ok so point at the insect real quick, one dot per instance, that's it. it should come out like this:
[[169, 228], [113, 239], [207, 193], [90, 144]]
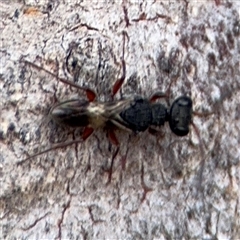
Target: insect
[[136, 114]]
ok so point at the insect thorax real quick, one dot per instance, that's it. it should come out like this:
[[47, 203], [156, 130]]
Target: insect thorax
[[96, 114], [142, 114]]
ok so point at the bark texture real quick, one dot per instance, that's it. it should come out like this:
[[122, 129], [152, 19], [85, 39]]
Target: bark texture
[[162, 186]]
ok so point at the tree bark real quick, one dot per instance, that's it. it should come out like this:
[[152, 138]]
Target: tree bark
[[162, 186]]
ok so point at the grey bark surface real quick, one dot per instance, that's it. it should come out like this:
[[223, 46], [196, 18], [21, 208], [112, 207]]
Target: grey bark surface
[[162, 186]]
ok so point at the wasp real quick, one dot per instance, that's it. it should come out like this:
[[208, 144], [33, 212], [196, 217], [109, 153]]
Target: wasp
[[135, 114]]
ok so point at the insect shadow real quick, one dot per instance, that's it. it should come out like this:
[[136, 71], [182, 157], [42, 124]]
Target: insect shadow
[[135, 114]]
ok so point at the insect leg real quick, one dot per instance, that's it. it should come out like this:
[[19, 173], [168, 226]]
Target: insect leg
[[146, 189], [111, 167], [112, 137], [117, 85], [157, 95], [61, 145], [91, 95], [110, 131], [87, 132]]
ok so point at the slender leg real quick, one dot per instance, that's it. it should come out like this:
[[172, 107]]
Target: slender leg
[[157, 95], [111, 167], [87, 132], [117, 85], [91, 95], [112, 137], [166, 94], [61, 145], [146, 189]]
